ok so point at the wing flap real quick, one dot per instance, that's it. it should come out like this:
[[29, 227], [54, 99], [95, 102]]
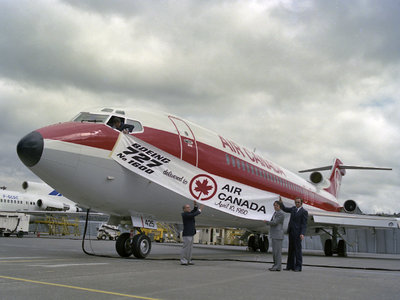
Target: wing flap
[[346, 220]]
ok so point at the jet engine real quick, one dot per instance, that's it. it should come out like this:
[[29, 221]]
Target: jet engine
[[350, 206], [51, 205], [318, 179], [35, 186]]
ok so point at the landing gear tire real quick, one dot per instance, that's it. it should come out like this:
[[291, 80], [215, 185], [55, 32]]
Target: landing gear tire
[[141, 245], [123, 245], [263, 242], [341, 249], [252, 243], [328, 247]]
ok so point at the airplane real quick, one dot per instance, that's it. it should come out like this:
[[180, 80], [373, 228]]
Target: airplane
[[148, 168], [36, 198], [34, 203]]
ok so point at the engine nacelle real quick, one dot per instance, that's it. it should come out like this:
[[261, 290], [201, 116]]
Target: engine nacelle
[[35, 187], [350, 206], [51, 205], [316, 177]]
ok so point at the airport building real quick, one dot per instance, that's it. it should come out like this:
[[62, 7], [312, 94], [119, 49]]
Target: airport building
[[381, 241]]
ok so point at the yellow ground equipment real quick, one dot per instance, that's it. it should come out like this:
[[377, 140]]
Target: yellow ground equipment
[[59, 225]]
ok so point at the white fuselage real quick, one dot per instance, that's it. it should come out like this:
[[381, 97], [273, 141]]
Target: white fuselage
[[76, 160]]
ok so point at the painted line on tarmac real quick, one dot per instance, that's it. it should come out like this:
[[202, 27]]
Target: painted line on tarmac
[[20, 257], [29, 260], [68, 265], [77, 288]]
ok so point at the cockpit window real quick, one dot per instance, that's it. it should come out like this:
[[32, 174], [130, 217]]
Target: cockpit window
[[136, 125], [88, 117], [116, 122], [125, 125]]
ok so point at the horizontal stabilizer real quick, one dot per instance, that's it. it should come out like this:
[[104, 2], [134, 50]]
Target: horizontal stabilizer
[[343, 167]]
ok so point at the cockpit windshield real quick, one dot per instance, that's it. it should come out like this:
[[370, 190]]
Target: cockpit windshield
[[89, 117], [116, 122]]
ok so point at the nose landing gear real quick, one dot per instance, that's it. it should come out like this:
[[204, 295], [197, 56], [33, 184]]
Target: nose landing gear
[[139, 245]]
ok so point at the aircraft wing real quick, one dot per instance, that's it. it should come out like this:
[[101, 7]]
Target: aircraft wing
[[338, 219], [49, 212]]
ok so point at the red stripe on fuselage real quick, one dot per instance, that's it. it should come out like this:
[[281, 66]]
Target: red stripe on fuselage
[[220, 163], [210, 159]]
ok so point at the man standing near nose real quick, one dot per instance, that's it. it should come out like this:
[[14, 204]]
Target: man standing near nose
[[296, 230], [189, 230]]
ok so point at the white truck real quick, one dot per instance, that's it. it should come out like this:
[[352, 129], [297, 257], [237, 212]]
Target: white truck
[[14, 223], [106, 231]]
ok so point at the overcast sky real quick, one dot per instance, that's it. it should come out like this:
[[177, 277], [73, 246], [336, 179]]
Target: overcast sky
[[303, 82]]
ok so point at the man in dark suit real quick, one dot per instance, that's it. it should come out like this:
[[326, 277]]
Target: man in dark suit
[[296, 230], [189, 230]]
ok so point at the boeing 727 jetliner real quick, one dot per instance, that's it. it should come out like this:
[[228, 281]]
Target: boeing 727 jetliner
[[155, 162]]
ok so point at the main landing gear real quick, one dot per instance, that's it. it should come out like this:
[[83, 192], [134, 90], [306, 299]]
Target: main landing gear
[[333, 246], [127, 244], [258, 241]]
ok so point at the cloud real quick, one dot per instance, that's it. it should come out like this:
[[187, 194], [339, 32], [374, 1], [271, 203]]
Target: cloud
[[302, 82]]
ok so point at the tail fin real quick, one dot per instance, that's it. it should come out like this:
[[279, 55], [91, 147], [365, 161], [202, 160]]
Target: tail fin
[[338, 170], [335, 177]]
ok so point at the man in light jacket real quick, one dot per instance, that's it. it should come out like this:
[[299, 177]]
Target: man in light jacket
[[276, 234]]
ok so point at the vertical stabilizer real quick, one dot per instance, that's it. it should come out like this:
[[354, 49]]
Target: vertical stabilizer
[[335, 177]]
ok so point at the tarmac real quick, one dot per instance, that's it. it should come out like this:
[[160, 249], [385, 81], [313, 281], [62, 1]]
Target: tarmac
[[57, 268]]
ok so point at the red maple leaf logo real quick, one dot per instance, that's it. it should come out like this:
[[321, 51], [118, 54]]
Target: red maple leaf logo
[[203, 187]]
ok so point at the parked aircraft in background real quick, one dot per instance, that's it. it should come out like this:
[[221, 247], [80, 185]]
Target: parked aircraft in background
[[150, 166], [36, 199]]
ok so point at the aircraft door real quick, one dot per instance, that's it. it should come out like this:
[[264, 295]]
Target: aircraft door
[[187, 141]]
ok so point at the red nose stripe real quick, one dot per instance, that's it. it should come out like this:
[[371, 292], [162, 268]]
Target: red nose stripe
[[93, 135]]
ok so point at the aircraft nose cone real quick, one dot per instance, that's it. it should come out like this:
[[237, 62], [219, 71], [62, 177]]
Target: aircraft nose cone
[[30, 148]]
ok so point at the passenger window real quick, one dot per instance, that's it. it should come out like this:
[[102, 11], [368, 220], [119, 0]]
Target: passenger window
[[227, 159], [238, 163]]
